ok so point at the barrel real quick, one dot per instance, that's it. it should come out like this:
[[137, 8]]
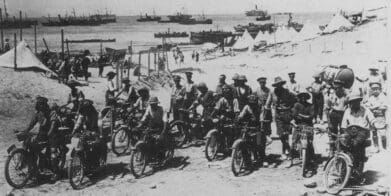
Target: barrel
[[346, 75]]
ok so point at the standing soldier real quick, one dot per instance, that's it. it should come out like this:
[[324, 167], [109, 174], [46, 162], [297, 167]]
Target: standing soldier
[[191, 90], [262, 94], [85, 62], [177, 96], [282, 100], [292, 85], [242, 91], [110, 91], [316, 89], [7, 46], [219, 87], [336, 104]]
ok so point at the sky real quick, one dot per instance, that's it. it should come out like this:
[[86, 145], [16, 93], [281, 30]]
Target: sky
[[38, 8]]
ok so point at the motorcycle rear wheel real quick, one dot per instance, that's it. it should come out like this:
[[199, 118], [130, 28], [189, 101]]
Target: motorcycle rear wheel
[[211, 147], [120, 142], [138, 162], [238, 161], [18, 161]]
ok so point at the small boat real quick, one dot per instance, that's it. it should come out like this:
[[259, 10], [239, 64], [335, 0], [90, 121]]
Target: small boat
[[169, 34], [263, 18], [147, 18], [193, 21], [209, 36]]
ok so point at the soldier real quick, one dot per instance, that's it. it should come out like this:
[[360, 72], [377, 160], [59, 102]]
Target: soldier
[[191, 90], [282, 100], [235, 80], [317, 97], [262, 94], [75, 96], [206, 99], [292, 85], [336, 104], [110, 91], [177, 95], [222, 82], [242, 91]]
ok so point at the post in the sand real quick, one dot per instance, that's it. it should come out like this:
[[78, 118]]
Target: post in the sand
[[15, 64], [130, 58], [20, 25], [62, 44], [1, 30], [149, 61], [35, 38], [67, 42], [46, 45], [139, 65]]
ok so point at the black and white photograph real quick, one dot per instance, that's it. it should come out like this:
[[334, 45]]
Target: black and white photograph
[[195, 97]]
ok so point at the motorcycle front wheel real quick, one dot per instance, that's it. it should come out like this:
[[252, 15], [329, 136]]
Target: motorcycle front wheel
[[238, 161], [211, 147], [138, 162], [337, 174], [120, 142], [18, 168], [76, 172]]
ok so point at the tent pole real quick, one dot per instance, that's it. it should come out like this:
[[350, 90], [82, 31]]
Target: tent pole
[[62, 44], [2, 31], [20, 25], [68, 48], [139, 65], [130, 60], [149, 61], [15, 64], [35, 39]]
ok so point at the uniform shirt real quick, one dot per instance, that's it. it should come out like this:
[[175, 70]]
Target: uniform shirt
[[363, 118], [317, 87], [206, 100], [242, 93], [293, 87], [110, 86], [224, 106], [281, 100], [43, 120], [177, 95], [127, 95], [379, 102], [250, 113], [90, 121], [155, 117], [141, 104], [336, 103], [191, 93], [304, 109], [262, 95]]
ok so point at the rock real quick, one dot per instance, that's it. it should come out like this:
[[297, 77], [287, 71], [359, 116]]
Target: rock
[[310, 184], [153, 186], [346, 193], [321, 190]]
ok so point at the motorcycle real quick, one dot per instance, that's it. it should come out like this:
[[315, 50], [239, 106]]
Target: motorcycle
[[88, 155], [30, 160], [220, 139], [341, 167], [150, 150], [244, 150]]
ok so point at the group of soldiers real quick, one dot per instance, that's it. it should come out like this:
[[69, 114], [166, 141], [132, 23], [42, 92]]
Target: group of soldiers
[[289, 102]]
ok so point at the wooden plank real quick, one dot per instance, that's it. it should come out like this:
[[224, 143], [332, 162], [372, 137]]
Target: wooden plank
[[1, 31], [15, 63], [92, 41], [35, 39], [46, 45], [20, 26]]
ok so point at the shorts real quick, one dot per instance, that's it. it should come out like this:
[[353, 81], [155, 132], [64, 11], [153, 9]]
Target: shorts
[[283, 119]]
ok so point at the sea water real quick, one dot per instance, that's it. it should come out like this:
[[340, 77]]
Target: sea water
[[141, 34]]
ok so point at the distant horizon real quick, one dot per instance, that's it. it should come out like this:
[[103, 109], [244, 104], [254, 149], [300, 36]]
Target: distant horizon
[[41, 8]]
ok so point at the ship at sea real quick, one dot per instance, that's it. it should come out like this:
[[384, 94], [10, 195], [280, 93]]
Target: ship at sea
[[169, 34], [193, 21], [177, 18], [148, 18], [209, 36], [257, 12], [253, 29], [74, 21], [105, 18], [14, 23]]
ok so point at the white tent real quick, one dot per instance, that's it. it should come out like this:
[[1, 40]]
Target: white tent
[[244, 42], [337, 23], [309, 31], [25, 58], [283, 35]]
